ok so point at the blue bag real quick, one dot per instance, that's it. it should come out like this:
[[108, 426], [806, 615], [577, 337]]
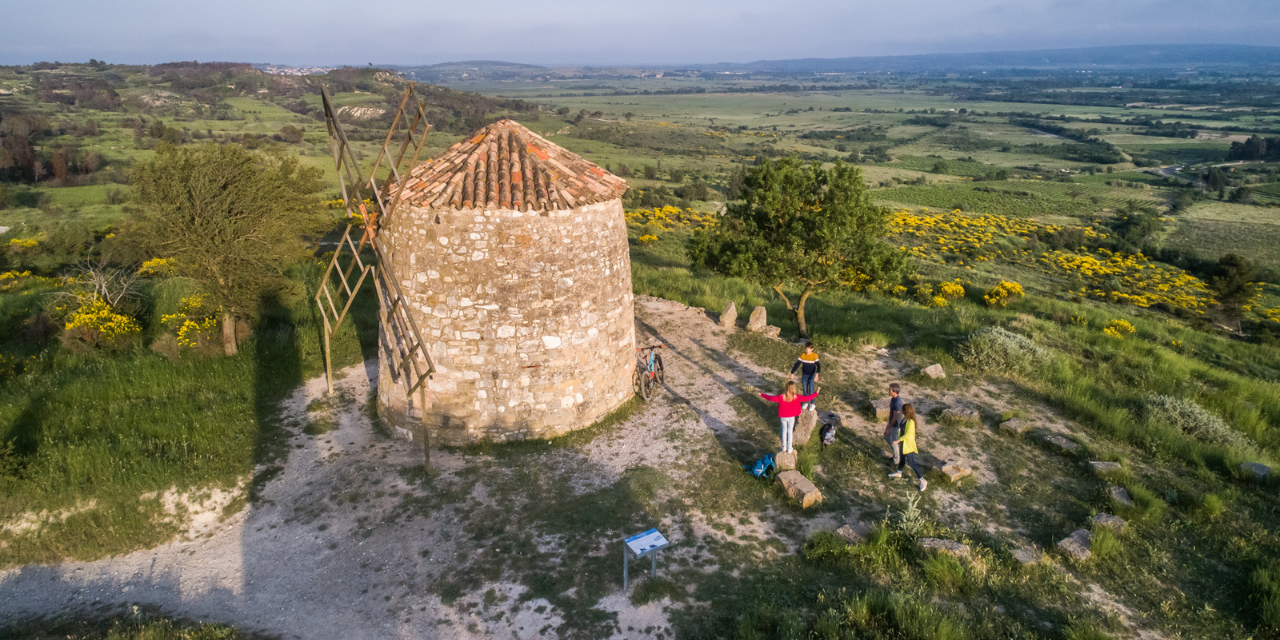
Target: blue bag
[[763, 468]]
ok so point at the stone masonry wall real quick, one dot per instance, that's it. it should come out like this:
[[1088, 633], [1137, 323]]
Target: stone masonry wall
[[529, 316]]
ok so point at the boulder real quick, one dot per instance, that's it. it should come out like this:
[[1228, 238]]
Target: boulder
[[1061, 442], [1027, 556], [784, 461], [799, 488], [934, 371], [939, 545], [1102, 466], [882, 408], [804, 426], [854, 534], [729, 317], [772, 331], [955, 471], [758, 320], [1255, 470], [1078, 545], [1013, 425], [960, 414], [1120, 496], [1115, 523]]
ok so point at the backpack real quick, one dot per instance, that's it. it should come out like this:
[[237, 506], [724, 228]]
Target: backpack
[[763, 468], [827, 434]]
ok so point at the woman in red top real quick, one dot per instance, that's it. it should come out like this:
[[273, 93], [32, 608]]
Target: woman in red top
[[788, 408]]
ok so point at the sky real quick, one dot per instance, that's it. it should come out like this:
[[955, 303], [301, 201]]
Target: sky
[[578, 32]]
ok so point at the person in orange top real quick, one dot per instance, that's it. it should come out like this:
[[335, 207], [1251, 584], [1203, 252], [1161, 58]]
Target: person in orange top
[[810, 370]]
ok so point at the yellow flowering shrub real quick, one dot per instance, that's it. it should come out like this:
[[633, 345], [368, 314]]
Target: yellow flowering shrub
[[1119, 329], [194, 322], [23, 245], [647, 239], [96, 324], [938, 301], [1273, 314], [157, 267], [670, 218], [951, 290], [14, 281], [1002, 294]]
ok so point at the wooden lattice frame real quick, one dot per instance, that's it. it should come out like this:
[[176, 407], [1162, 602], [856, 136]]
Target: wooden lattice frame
[[411, 359]]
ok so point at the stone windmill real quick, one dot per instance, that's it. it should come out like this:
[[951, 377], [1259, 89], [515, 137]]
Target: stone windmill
[[504, 283]]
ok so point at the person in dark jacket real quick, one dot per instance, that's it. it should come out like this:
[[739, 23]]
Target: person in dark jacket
[[810, 370]]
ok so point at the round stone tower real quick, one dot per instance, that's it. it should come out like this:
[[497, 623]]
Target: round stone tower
[[512, 254]]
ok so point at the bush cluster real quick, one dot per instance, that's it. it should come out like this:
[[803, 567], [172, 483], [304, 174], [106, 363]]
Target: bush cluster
[[998, 351], [1193, 420]]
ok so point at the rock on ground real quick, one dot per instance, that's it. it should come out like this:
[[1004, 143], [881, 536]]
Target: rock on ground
[[939, 545], [882, 408], [1115, 523], [1061, 442], [1078, 545], [800, 489], [804, 426], [729, 317], [772, 331], [960, 414], [1255, 470], [854, 533], [758, 320], [1027, 556], [1013, 426], [784, 460], [1121, 496], [934, 371], [1102, 466]]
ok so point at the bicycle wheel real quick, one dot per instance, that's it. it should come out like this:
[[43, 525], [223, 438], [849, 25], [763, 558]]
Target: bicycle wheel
[[659, 373], [646, 385]]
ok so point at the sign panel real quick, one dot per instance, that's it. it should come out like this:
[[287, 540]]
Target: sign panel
[[642, 543]]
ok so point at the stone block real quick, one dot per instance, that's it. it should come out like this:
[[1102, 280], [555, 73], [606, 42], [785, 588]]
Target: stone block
[[853, 534], [729, 317], [961, 414], [934, 371], [772, 331], [1027, 556], [882, 408], [804, 426], [1078, 545], [1115, 523], [784, 461], [758, 320], [939, 545], [800, 489], [955, 471], [1121, 496], [1255, 470], [1102, 466], [1013, 425], [1061, 442]]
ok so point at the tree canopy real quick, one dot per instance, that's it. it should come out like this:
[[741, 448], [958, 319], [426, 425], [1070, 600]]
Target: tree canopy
[[231, 219], [802, 226]]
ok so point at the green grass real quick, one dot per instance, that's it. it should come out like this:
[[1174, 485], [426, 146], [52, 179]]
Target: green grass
[[1019, 198], [137, 626]]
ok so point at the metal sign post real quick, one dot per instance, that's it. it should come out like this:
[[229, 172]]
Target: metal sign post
[[640, 545]]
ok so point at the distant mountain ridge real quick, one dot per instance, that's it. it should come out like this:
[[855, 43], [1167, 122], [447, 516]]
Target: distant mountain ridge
[[1150, 56]]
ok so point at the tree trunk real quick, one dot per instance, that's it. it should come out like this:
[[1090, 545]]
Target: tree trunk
[[229, 335], [804, 328]]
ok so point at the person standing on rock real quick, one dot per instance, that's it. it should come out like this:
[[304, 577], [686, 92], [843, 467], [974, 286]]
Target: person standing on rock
[[893, 429], [789, 404], [908, 445], [810, 369]]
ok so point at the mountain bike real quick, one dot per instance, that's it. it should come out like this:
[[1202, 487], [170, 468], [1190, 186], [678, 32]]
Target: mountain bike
[[649, 371]]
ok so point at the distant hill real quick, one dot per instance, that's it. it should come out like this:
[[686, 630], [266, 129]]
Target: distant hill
[[1138, 56], [471, 71]]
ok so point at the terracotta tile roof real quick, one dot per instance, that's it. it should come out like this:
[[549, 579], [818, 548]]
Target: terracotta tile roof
[[505, 165]]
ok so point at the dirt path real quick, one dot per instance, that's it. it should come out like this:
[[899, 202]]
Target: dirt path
[[330, 552]]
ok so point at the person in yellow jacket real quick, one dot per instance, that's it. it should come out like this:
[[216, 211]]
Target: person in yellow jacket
[[907, 440]]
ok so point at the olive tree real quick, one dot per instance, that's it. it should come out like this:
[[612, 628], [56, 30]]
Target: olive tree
[[231, 220], [802, 227]]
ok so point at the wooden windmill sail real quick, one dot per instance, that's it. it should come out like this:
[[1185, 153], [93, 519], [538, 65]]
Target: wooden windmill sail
[[368, 206]]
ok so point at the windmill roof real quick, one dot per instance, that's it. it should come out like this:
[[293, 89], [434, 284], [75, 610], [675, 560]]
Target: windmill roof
[[505, 165]]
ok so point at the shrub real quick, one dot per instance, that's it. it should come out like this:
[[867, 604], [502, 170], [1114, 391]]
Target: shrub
[[999, 296], [948, 575], [1193, 420], [647, 238], [1266, 586], [1105, 544], [654, 589], [804, 464], [1119, 329], [195, 322], [998, 351], [951, 290], [97, 325], [1211, 505]]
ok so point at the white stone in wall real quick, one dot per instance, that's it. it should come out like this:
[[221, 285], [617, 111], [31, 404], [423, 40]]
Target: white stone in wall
[[551, 342]]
